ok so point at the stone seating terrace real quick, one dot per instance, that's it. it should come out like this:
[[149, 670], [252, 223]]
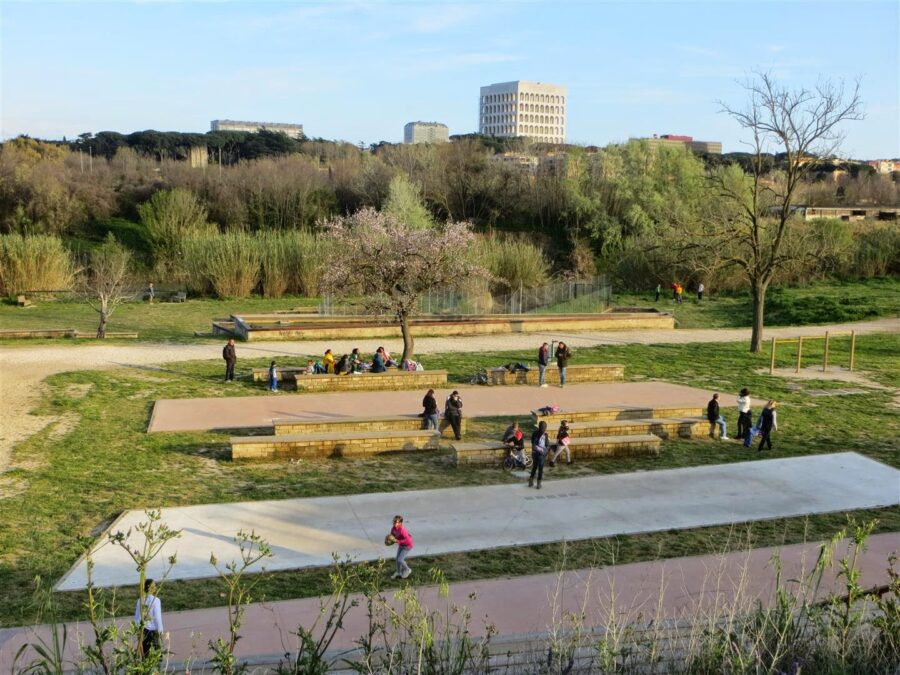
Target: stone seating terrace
[[293, 426], [392, 380], [606, 372]]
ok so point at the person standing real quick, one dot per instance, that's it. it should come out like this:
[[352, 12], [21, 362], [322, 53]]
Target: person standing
[[543, 362], [230, 356], [404, 546], [679, 294], [273, 377], [540, 444], [745, 417], [151, 294], [700, 290], [715, 417], [430, 412], [768, 422], [563, 354], [675, 291], [453, 414], [149, 619], [658, 291]]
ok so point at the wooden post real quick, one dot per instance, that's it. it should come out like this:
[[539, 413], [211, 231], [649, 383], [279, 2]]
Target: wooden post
[[825, 363], [772, 362], [852, 349], [799, 352]]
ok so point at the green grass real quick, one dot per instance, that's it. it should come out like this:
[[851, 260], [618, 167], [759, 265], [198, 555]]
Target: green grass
[[818, 303], [71, 484]]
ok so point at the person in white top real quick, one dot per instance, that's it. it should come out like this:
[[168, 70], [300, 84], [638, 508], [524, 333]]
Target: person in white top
[[745, 417], [700, 290], [149, 620]]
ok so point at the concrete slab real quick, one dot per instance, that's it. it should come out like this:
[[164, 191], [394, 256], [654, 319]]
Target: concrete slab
[[305, 532], [204, 414]]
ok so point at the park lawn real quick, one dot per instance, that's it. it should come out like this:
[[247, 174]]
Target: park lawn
[[817, 303], [71, 481]]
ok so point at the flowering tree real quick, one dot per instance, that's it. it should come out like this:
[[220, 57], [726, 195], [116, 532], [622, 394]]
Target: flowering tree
[[386, 265]]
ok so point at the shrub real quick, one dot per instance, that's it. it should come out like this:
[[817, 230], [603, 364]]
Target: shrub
[[877, 252], [513, 262], [34, 263], [171, 218], [306, 260]]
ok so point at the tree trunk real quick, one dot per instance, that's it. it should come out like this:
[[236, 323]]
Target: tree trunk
[[407, 338], [101, 329], [759, 305]]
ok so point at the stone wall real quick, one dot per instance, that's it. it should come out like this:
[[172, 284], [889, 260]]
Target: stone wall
[[330, 445], [611, 372], [620, 413], [284, 427], [392, 380], [489, 453]]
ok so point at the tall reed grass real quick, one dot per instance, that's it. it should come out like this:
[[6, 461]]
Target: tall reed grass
[[513, 262], [34, 263]]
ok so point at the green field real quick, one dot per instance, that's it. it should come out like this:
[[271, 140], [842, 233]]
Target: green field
[[71, 480]]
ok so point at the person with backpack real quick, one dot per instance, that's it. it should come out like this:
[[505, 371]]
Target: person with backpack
[[540, 444], [563, 354], [273, 377], [430, 410], [563, 438], [768, 422], [543, 362], [453, 414], [230, 356]]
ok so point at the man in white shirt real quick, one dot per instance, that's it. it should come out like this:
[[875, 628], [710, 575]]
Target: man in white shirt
[[150, 619]]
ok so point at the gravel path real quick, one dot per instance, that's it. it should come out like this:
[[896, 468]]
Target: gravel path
[[23, 369]]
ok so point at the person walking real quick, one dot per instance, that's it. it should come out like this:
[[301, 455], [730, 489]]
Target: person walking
[[768, 422], [149, 619], [273, 378], [563, 439], [430, 412], [563, 354], [453, 414], [700, 290], [745, 417], [404, 542], [658, 291], [539, 446], [715, 417], [230, 356], [543, 362]]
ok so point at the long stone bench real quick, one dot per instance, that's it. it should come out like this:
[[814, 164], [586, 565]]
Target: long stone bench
[[664, 427], [288, 426], [308, 446], [390, 381], [598, 372], [616, 413], [493, 452]]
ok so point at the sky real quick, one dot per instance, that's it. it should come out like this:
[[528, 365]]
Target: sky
[[358, 71]]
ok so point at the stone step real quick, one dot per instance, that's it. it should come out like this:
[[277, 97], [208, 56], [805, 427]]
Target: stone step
[[629, 445], [617, 413], [288, 426], [664, 427], [598, 372], [393, 380], [307, 446]]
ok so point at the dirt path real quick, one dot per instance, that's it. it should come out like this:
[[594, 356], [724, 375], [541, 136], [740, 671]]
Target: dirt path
[[23, 369]]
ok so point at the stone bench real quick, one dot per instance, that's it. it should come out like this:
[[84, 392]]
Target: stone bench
[[608, 372], [664, 427], [288, 426], [616, 413], [494, 452], [392, 380], [311, 446]]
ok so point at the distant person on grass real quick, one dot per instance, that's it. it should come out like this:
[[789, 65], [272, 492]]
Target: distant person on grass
[[151, 294], [404, 542], [378, 362], [453, 414], [700, 290], [745, 416], [430, 410], [563, 354], [328, 361], [715, 418], [230, 356], [540, 444], [342, 367], [273, 377], [543, 362], [658, 290], [768, 422], [388, 361], [149, 618]]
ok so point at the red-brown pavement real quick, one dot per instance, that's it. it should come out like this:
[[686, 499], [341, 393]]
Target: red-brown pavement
[[525, 605], [203, 414]]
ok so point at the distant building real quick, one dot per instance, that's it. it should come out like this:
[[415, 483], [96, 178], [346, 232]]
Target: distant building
[[426, 132], [532, 109], [292, 130], [885, 165], [687, 142]]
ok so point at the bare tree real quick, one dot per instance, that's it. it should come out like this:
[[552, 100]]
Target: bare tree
[[801, 124], [106, 280], [386, 265]]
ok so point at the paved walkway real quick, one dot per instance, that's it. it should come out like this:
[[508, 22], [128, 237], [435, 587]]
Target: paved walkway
[[525, 605], [305, 532], [203, 414]]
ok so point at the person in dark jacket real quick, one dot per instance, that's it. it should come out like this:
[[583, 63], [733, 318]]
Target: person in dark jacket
[[430, 412], [453, 414], [768, 422], [715, 417], [230, 356], [543, 362], [745, 416], [563, 354], [342, 367], [540, 445], [378, 363]]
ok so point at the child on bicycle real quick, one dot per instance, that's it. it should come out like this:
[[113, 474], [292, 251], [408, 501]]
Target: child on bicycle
[[515, 457]]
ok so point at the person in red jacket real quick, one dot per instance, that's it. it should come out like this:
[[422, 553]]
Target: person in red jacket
[[404, 546]]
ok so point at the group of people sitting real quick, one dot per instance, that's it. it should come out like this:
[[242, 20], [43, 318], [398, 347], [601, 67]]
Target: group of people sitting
[[351, 363], [514, 439]]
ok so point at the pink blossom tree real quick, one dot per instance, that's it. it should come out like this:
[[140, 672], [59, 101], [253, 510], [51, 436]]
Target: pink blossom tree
[[386, 265]]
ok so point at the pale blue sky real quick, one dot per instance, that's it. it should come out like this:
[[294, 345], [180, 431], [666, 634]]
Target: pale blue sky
[[359, 71]]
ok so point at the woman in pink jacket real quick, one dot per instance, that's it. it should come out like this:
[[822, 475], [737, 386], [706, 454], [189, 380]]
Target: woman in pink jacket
[[404, 546]]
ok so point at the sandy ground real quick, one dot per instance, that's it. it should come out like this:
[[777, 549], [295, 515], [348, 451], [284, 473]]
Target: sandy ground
[[23, 369]]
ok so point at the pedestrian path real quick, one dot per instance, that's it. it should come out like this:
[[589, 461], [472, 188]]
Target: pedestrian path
[[306, 532]]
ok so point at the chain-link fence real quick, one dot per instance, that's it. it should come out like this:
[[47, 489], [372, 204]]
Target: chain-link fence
[[584, 296]]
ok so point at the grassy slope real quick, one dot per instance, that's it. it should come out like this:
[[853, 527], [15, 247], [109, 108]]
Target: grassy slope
[[76, 481]]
